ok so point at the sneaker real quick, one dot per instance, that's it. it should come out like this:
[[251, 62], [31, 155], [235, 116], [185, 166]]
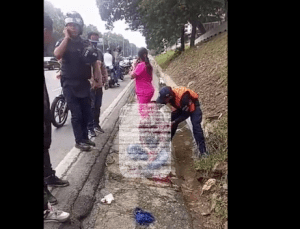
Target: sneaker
[[117, 84], [54, 215], [55, 181], [92, 133], [89, 142], [99, 129], [83, 146]]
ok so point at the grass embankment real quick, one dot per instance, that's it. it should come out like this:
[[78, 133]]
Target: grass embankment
[[204, 69]]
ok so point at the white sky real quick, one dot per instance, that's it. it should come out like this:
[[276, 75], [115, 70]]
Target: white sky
[[90, 15]]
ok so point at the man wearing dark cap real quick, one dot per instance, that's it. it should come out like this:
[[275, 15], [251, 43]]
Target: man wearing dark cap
[[184, 104]]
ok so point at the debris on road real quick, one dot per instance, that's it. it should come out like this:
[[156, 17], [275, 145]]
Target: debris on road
[[107, 199]]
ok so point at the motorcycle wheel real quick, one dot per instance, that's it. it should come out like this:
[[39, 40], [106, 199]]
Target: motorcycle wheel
[[58, 116], [110, 84]]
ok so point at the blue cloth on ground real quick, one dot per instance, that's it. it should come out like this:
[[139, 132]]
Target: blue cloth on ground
[[143, 217]]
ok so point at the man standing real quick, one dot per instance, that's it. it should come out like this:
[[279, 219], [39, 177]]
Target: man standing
[[96, 89], [109, 60], [117, 56], [185, 104], [75, 73]]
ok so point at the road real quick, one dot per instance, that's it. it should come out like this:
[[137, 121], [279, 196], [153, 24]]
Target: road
[[63, 138]]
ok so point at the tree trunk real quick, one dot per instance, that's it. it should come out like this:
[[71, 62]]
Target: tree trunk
[[200, 27], [192, 43], [226, 9], [182, 38]]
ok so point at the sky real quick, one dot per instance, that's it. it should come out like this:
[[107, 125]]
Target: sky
[[90, 15]]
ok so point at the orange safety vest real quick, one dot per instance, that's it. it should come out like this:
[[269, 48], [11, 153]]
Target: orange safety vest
[[179, 91]]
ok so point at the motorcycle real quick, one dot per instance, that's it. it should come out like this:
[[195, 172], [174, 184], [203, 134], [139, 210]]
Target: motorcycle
[[111, 78], [59, 110], [124, 67]]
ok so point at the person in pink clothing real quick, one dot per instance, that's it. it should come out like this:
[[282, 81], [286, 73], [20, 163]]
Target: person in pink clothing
[[142, 73]]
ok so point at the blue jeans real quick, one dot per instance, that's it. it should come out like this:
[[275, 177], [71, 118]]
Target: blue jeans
[[81, 114], [196, 119], [118, 71], [115, 74]]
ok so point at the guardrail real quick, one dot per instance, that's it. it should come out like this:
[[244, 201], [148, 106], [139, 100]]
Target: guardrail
[[217, 28]]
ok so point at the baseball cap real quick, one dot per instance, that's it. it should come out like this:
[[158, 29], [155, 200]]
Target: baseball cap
[[164, 93]]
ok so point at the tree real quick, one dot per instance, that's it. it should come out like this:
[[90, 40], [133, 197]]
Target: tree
[[58, 25], [90, 28], [161, 21], [198, 12]]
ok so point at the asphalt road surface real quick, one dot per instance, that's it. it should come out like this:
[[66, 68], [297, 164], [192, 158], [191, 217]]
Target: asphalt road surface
[[63, 138]]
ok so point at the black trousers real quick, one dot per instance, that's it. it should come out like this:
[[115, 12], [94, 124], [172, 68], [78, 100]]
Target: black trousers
[[196, 118], [47, 142], [96, 102], [81, 114]]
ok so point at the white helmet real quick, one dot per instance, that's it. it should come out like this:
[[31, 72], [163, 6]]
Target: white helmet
[[74, 17]]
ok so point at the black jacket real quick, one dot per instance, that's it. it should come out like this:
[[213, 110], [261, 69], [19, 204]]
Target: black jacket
[[74, 72]]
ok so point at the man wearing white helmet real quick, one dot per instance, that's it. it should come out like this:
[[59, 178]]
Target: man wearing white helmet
[[75, 72]]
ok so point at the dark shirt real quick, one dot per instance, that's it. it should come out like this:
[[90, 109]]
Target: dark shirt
[[74, 72], [100, 55]]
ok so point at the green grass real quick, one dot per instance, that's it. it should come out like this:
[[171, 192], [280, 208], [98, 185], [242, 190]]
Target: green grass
[[216, 144], [221, 209], [163, 60]]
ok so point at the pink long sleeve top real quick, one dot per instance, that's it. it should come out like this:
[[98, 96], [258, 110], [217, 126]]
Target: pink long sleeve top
[[143, 81]]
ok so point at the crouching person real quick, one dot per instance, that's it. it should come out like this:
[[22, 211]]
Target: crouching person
[[184, 104]]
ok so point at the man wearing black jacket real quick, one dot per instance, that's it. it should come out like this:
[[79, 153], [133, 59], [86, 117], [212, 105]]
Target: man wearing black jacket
[[74, 78]]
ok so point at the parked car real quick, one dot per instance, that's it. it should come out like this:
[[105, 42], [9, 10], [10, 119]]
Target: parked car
[[51, 63]]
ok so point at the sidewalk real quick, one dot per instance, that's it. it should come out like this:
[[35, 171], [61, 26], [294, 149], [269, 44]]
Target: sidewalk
[[162, 200]]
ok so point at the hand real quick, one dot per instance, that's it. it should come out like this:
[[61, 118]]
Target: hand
[[58, 76], [133, 76], [66, 33]]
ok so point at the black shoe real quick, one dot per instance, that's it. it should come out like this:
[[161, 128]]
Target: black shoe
[[92, 133], [83, 146], [55, 181], [89, 142], [99, 129], [51, 198]]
